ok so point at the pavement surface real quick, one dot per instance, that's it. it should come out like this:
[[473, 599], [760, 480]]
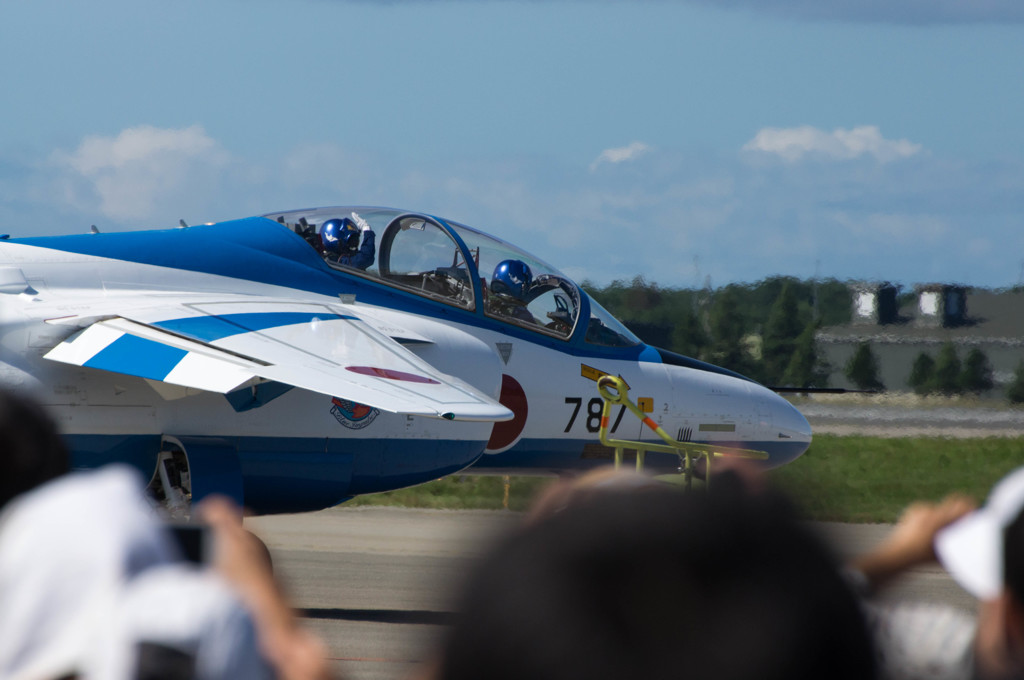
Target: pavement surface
[[377, 583]]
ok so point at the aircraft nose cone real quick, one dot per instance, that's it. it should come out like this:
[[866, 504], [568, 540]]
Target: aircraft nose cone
[[763, 420], [791, 431], [789, 420]]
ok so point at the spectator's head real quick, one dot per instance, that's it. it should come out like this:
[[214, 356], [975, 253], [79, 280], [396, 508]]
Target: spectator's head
[[568, 491], [67, 549], [31, 450], [660, 584]]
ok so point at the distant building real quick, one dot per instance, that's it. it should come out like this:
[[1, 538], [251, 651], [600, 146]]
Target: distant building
[[875, 304], [901, 327], [941, 305]]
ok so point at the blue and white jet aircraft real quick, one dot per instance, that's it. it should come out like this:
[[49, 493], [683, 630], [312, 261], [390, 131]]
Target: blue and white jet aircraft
[[236, 358]]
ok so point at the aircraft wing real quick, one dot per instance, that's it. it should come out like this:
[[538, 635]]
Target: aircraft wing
[[223, 346]]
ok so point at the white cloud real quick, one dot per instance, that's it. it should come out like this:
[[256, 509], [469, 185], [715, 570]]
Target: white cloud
[[96, 154], [129, 175], [792, 144], [620, 154], [741, 221]]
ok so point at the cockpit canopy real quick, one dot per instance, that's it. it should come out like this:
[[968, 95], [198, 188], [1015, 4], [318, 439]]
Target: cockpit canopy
[[460, 266]]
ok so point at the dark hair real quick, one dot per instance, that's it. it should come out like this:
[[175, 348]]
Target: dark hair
[[1013, 557], [660, 584], [31, 449]]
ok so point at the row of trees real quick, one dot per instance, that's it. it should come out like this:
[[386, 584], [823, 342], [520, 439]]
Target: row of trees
[[945, 375], [767, 331], [764, 330]]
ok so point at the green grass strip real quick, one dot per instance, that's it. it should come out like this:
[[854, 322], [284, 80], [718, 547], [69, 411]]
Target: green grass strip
[[462, 492], [842, 479], [871, 479]]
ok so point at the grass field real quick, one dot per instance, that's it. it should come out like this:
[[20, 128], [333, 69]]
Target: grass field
[[870, 479], [462, 492], [847, 479]]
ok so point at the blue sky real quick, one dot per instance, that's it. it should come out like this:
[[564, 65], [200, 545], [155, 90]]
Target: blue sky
[[681, 141]]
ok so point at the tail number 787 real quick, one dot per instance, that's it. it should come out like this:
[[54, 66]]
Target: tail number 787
[[594, 407]]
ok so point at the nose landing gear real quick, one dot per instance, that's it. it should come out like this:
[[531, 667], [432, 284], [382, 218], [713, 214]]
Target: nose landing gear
[[171, 485]]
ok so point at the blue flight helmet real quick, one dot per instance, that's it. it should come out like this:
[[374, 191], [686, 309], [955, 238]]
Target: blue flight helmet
[[339, 235], [513, 278]]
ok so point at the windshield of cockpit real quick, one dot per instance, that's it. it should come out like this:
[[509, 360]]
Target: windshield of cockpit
[[519, 288], [401, 249], [607, 331], [416, 253]]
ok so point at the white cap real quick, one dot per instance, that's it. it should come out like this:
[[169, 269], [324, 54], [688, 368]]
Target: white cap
[[187, 609], [971, 549], [67, 548]]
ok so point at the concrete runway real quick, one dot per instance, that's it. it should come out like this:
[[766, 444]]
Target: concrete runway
[[376, 583]]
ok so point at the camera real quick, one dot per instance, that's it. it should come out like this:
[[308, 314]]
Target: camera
[[194, 541]]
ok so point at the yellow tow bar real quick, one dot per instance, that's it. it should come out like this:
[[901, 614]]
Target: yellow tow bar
[[613, 391]]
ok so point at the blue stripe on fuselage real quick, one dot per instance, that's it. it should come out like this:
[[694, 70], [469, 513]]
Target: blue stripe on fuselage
[[272, 254], [212, 328], [137, 356]]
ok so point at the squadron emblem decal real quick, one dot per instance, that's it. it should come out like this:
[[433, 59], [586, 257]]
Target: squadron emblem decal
[[353, 415]]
